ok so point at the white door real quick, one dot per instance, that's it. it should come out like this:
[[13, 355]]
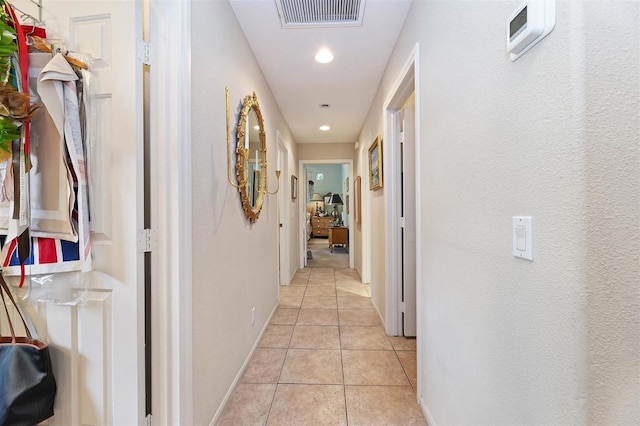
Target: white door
[[98, 347], [408, 234]]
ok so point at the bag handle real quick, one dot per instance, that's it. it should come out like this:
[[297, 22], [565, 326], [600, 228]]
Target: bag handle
[[4, 288]]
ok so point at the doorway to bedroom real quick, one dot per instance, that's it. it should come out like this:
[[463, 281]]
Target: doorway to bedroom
[[327, 207]]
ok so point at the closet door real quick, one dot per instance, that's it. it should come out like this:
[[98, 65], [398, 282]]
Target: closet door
[[98, 347]]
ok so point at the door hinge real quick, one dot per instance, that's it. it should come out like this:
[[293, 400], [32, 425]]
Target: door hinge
[[402, 222], [146, 240], [144, 52], [401, 137], [148, 419]]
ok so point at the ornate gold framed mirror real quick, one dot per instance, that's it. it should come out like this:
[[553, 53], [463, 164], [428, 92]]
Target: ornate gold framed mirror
[[251, 154]]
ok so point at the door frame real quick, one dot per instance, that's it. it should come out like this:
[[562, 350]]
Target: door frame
[[408, 82], [303, 207], [284, 208], [170, 128]]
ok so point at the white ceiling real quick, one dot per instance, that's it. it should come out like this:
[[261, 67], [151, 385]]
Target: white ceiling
[[300, 84]]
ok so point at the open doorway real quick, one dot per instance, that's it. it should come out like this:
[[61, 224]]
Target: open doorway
[[402, 205], [326, 212]]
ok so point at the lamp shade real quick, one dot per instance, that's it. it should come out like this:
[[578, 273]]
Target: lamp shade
[[335, 199], [317, 197]]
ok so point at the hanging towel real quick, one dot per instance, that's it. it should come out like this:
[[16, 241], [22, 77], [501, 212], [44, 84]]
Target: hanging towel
[[57, 89], [50, 181]]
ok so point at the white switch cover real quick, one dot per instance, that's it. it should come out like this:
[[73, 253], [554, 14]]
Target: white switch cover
[[523, 237]]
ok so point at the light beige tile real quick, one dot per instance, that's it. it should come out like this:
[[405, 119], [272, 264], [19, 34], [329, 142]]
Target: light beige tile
[[322, 271], [319, 281], [315, 337], [347, 282], [249, 405], [403, 343], [321, 290], [362, 317], [318, 317], [299, 282], [319, 302], [354, 302], [290, 301], [372, 368], [302, 273], [276, 336], [383, 405], [308, 405], [265, 366], [350, 290], [285, 316], [292, 291], [347, 274], [408, 361], [357, 337], [313, 366]]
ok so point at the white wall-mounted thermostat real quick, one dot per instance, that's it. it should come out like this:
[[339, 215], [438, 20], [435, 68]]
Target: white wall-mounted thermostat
[[530, 23]]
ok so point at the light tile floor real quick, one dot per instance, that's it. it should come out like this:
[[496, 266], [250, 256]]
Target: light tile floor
[[325, 360]]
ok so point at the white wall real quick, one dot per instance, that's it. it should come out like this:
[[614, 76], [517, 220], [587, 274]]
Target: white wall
[[373, 213], [611, 134], [325, 151], [553, 135], [234, 263]]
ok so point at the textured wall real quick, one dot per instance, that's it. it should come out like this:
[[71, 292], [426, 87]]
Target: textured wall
[[553, 135], [234, 263], [612, 140]]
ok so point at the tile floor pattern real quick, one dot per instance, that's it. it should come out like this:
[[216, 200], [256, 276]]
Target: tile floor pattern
[[324, 359]]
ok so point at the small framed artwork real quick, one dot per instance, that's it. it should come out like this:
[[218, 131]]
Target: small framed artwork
[[375, 164], [294, 188], [357, 199]]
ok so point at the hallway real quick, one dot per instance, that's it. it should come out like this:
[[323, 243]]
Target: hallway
[[325, 359]]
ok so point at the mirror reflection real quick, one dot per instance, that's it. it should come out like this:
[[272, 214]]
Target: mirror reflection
[[252, 143], [251, 157]]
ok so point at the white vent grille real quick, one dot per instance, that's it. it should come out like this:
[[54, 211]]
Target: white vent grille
[[320, 13]]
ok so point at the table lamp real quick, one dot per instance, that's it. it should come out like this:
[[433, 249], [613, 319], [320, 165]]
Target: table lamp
[[336, 201], [317, 197]]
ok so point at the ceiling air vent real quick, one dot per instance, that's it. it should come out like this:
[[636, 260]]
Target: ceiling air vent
[[320, 13]]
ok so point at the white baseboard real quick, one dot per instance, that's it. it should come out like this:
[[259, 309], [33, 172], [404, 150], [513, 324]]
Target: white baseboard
[[236, 381], [427, 414]]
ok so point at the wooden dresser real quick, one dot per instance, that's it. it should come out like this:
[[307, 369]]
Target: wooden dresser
[[320, 225], [338, 236]]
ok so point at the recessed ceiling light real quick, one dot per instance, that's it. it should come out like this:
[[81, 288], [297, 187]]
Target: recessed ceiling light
[[325, 128], [324, 56]]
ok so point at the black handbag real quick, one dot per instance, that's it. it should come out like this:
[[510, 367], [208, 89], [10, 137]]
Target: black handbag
[[27, 384]]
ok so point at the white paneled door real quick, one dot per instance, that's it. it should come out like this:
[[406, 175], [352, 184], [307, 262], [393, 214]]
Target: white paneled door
[[98, 346]]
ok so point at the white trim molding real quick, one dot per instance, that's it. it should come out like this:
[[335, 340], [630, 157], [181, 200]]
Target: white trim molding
[[404, 86], [170, 128]]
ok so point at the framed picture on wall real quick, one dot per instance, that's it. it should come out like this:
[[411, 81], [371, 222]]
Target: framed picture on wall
[[294, 188], [375, 164], [357, 199]]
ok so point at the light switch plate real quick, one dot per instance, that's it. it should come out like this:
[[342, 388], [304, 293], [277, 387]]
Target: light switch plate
[[523, 237]]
